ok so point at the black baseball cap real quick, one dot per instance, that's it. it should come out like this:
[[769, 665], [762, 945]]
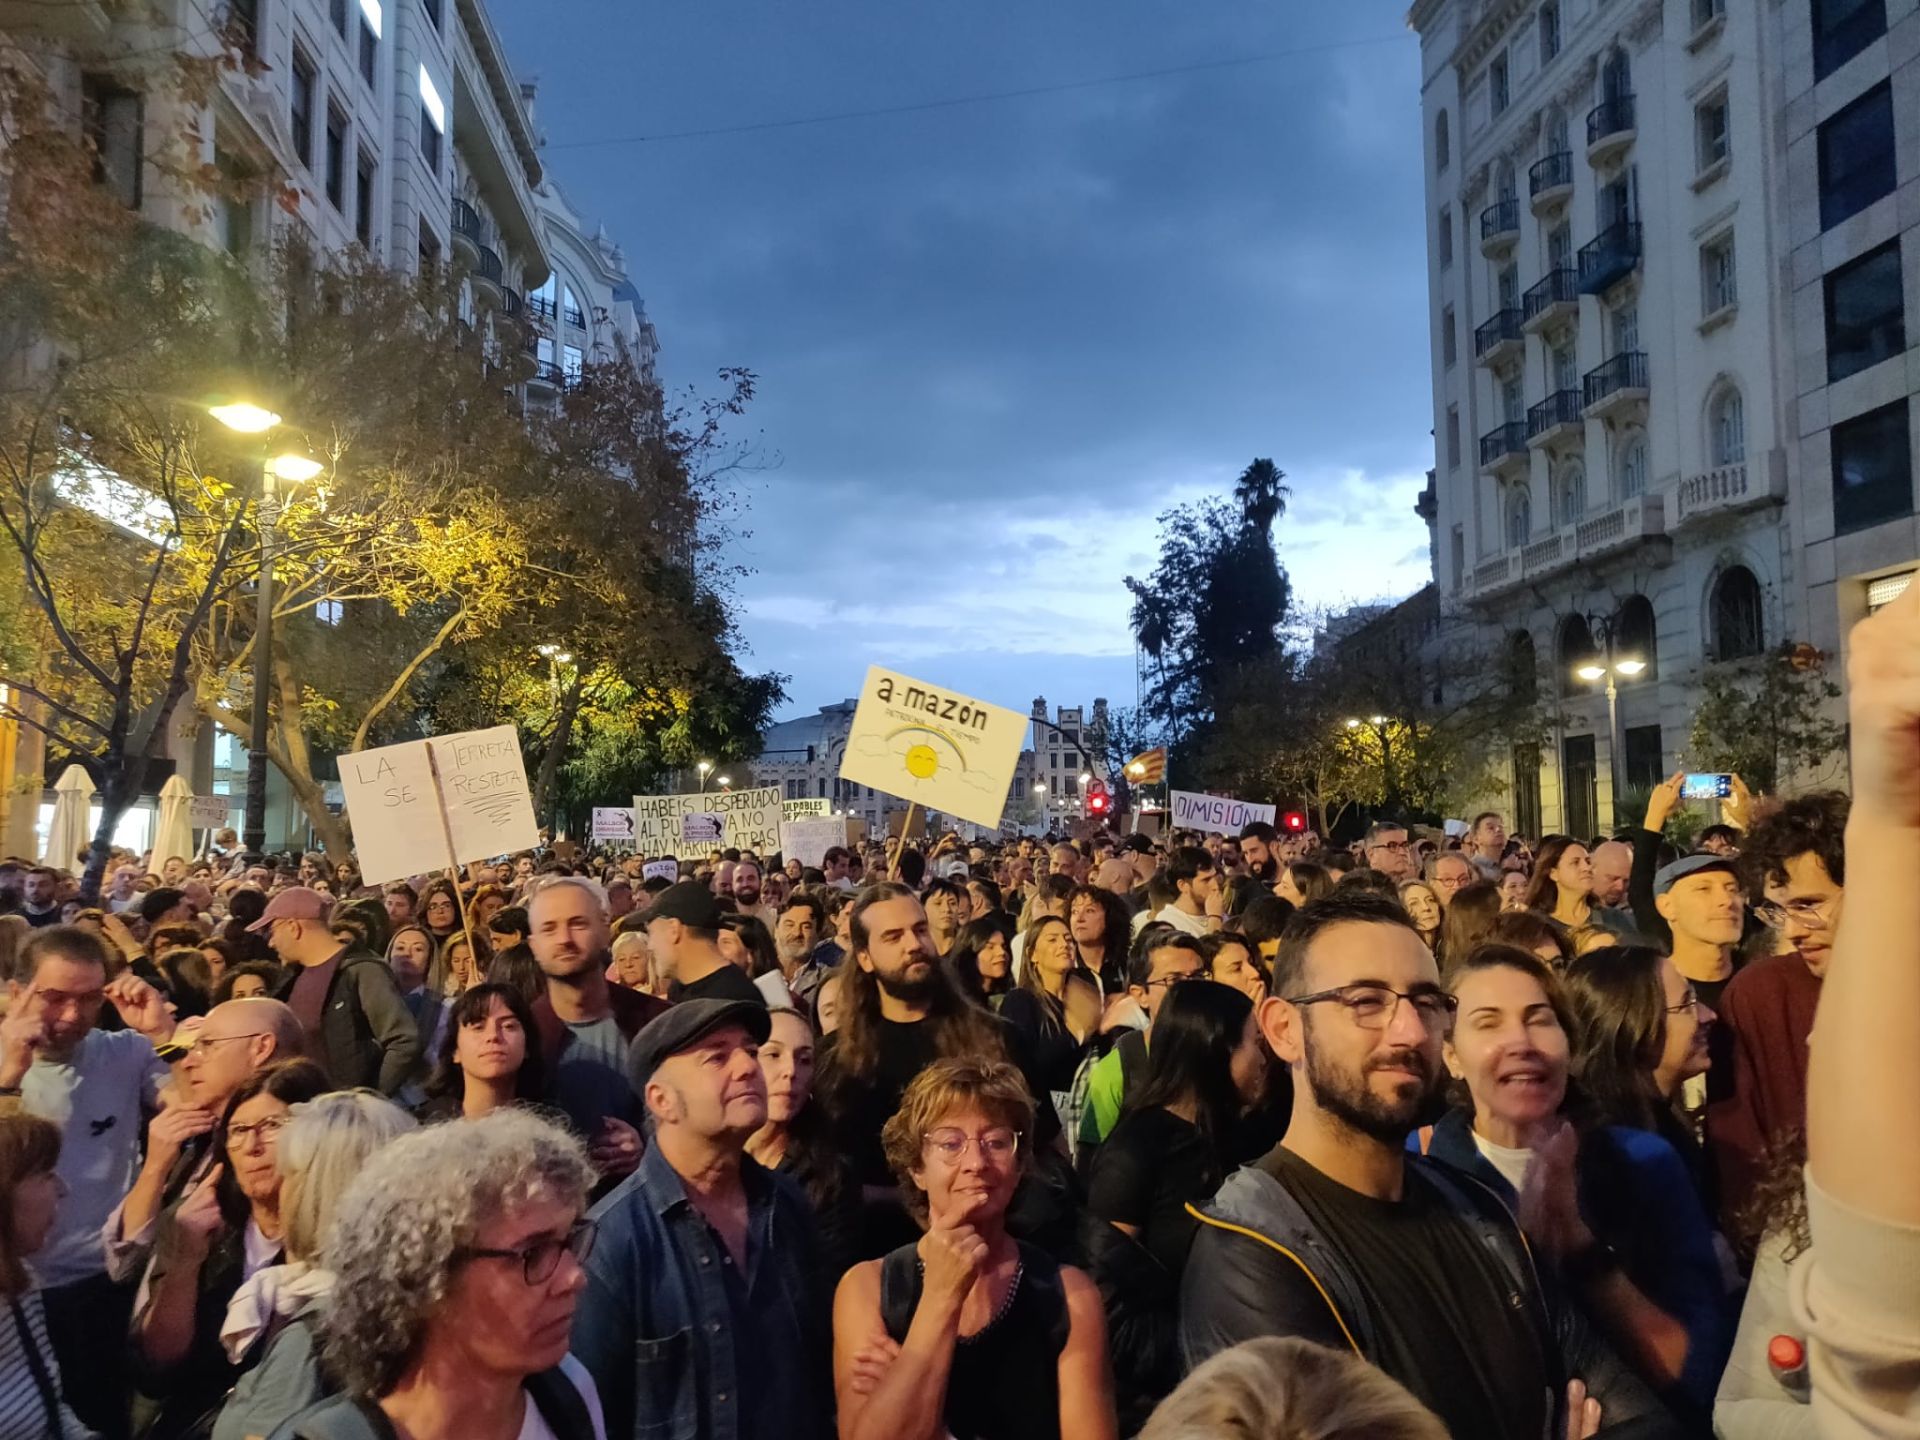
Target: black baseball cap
[[689, 902], [1694, 864], [667, 1035]]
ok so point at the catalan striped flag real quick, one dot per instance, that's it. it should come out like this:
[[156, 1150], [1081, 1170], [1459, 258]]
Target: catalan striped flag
[[1149, 767]]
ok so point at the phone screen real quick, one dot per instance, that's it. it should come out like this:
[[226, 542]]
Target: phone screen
[[1706, 786]]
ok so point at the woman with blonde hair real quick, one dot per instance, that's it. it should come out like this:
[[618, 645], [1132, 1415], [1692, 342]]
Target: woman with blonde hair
[[1279, 1388]]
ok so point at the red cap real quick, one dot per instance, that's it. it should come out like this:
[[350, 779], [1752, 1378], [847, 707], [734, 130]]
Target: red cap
[[1785, 1354], [296, 902]]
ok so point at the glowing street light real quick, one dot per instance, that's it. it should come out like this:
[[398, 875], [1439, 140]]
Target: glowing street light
[[244, 418]]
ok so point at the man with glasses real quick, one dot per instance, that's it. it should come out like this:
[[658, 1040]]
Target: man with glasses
[[704, 1247], [1796, 862], [1449, 873], [1342, 1237], [1388, 851], [97, 1086]]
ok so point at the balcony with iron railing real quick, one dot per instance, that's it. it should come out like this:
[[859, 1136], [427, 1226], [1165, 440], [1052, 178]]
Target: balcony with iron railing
[[466, 229], [1504, 447], [1550, 181], [510, 302], [487, 269], [1610, 257], [1499, 338], [548, 375], [1555, 298], [576, 317], [542, 307], [1609, 128], [1558, 417], [1500, 226], [1620, 381]]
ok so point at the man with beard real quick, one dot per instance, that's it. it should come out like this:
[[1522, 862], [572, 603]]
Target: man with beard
[[747, 886], [900, 1010], [1257, 842], [705, 1247], [1342, 1237], [586, 1024], [683, 930], [40, 897], [796, 939]]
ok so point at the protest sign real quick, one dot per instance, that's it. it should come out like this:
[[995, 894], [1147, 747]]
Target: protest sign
[[804, 809], [614, 822], [668, 870], [934, 748], [1190, 811], [692, 826], [209, 812], [910, 824], [809, 840], [426, 804]]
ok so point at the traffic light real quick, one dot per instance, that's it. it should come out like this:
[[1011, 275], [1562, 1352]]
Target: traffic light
[[1294, 822], [1099, 800]]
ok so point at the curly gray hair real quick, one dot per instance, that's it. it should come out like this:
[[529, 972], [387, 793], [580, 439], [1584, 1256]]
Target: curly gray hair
[[397, 1232]]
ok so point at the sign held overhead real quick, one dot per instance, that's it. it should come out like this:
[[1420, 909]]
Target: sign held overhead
[[933, 748], [425, 804], [1191, 811]]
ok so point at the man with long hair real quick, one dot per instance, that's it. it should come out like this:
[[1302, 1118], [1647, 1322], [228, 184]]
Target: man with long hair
[[900, 1010]]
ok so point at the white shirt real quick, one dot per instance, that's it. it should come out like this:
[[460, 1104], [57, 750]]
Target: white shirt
[[1198, 926], [534, 1426], [1512, 1164]]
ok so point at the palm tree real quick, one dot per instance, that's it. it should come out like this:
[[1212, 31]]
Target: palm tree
[[1262, 493]]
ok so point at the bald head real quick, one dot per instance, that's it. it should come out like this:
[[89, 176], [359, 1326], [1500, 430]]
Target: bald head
[[236, 1040], [1612, 866]]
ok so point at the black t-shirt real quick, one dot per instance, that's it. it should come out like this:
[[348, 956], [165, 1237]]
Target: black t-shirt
[[729, 982], [1449, 1326], [1152, 1166]]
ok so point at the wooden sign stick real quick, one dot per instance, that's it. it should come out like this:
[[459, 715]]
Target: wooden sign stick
[[901, 849], [453, 861]]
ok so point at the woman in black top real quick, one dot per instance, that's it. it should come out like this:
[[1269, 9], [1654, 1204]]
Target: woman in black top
[[1172, 1147], [985, 1337], [796, 1142], [1102, 927], [1038, 1005], [489, 1056], [982, 958]]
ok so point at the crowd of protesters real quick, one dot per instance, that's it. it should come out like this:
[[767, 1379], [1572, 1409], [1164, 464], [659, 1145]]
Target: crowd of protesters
[[1434, 1133]]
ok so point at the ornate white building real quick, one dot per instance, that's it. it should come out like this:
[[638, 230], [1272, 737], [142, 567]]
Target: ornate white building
[[1624, 267]]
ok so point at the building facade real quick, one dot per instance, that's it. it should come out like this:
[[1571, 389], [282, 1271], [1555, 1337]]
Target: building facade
[[1622, 362]]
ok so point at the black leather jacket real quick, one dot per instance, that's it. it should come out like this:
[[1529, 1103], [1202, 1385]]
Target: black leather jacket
[[1259, 1267]]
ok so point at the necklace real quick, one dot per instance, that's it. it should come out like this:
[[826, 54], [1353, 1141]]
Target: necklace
[[1000, 1311]]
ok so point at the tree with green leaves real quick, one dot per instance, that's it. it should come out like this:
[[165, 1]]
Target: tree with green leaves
[[1767, 720]]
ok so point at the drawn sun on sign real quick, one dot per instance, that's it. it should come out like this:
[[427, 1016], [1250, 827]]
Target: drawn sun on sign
[[922, 759]]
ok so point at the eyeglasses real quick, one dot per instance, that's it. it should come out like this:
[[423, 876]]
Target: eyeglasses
[[950, 1146], [1689, 1000], [203, 1041], [1400, 846], [1807, 914], [1374, 1006], [1167, 981], [67, 1000], [540, 1258], [265, 1131]]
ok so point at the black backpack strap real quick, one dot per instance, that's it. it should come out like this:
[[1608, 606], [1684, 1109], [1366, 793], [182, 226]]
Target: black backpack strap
[[561, 1404], [899, 1291]]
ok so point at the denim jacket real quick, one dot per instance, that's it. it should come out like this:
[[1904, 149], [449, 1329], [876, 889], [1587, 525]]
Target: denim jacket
[[653, 1323]]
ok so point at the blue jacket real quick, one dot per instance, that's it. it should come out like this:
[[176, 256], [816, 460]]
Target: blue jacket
[[1637, 1196], [656, 1330]]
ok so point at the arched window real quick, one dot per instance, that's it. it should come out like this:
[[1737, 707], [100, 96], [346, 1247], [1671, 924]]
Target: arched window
[[1549, 31], [1556, 131], [1570, 493], [1616, 77], [1576, 649], [1631, 472], [1503, 183], [1739, 627], [1442, 142], [1523, 673], [1727, 425], [1519, 517], [1634, 638]]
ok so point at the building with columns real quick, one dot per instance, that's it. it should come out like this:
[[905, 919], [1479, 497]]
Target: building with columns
[[1631, 221]]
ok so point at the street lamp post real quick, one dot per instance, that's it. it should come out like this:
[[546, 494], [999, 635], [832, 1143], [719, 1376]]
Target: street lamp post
[[705, 767], [1380, 724], [1605, 628], [294, 468]]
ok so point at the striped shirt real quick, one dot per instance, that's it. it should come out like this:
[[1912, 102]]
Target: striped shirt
[[23, 1405]]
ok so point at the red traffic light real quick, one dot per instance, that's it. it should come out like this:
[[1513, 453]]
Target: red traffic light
[[1097, 804], [1294, 822]]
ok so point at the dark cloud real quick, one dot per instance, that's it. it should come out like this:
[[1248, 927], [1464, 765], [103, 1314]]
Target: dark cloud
[[996, 340]]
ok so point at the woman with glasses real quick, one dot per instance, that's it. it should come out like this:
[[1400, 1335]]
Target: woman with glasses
[[223, 1231], [1173, 1145], [969, 1332], [1611, 1207], [440, 910], [458, 1257], [323, 1147], [1640, 1034]]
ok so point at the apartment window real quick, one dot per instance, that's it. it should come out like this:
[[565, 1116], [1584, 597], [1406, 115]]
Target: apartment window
[[1710, 137], [1842, 29], [1872, 469], [369, 54], [330, 612], [1519, 518], [1564, 369], [1442, 142], [1865, 312], [1717, 288], [1507, 286], [1449, 343], [1446, 236], [337, 13], [1459, 556], [1549, 32], [1640, 754], [243, 24], [1705, 12], [300, 107], [429, 250], [336, 158], [1856, 156], [1498, 91], [435, 12], [1626, 329], [363, 176], [570, 308], [1727, 426], [1453, 437], [572, 362], [1632, 479], [433, 121], [1560, 248], [114, 119], [1570, 492]]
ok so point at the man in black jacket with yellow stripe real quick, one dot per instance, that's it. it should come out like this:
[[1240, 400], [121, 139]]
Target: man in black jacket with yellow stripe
[[1340, 1236]]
